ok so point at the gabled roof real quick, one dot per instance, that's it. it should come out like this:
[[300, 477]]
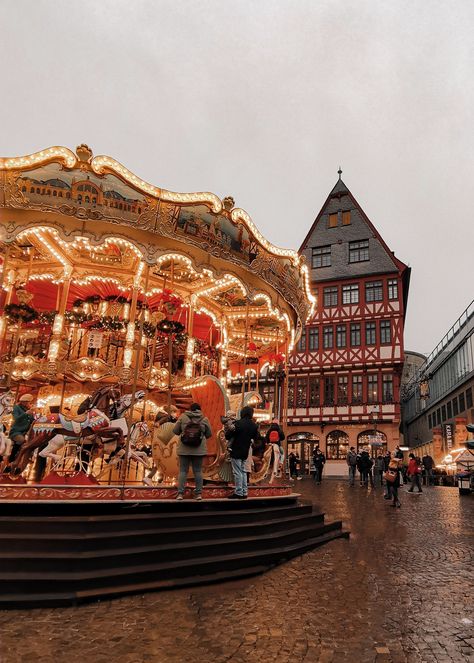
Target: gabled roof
[[339, 190]]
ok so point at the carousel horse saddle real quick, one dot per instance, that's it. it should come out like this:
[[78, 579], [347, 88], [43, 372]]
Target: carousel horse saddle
[[73, 423]]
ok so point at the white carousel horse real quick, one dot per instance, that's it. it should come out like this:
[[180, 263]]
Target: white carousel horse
[[117, 421]]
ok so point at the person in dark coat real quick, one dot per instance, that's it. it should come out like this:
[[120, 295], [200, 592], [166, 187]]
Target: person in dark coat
[[393, 486], [23, 418], [428, 464], [244, 433], [365, 468], [191, 455], [319, 460]]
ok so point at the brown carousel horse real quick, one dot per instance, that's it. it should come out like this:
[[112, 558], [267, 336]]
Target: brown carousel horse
[[93, 420]]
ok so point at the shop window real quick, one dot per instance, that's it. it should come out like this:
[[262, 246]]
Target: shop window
[[341, 336], [321, 257], [346, 218], [370, 334], [387, 387], [342, 390], [328, 337], [313, 338], [314, 391], [374, 441], [332, 223], [373, 291], [462, 403], [356, 389], [350, 294], [301, 392], [385, 332], [372, 388], [355, 334], [330, 296], [393, 289], [359, 251], [329, 390], [337, 445]]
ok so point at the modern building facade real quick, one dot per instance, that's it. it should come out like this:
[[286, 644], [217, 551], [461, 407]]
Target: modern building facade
[[438, 401], [345, 374]]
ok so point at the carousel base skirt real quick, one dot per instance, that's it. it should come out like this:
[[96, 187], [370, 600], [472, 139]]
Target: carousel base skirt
[[63, 545]]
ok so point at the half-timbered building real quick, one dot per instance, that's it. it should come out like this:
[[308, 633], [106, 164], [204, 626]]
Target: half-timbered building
[[344, 376]]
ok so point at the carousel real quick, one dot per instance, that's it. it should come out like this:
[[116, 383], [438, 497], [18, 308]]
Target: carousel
[[121, 304]]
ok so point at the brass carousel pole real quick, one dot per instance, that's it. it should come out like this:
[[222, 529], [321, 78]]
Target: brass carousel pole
[[136, 368], [245, 351]]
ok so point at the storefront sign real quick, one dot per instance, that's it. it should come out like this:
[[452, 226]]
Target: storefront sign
[[448, 435]]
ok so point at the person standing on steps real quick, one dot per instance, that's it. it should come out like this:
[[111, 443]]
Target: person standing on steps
[[245, 431], [414, 473], [319, 460], [351, 460], [194, 429]]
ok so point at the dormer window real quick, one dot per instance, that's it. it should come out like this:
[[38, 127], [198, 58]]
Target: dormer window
[[332, 223], [346, 218]]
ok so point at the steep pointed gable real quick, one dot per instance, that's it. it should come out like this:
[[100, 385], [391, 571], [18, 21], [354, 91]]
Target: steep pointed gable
[[340, 230]]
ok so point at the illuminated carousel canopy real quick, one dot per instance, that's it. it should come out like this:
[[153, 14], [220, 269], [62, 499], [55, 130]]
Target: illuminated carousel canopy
[[99, 266]]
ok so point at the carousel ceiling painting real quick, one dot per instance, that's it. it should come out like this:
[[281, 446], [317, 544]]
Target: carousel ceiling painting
[[101, 272]]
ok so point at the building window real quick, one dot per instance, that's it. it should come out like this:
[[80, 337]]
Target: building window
[[443, 413], [455, 407], [291, 392], [313, 338], [268, 392], [302, 341], [346, 218], [370, 336], [356, 389], [350, 294], [329, 390], [393, 289], [462, 403], [469, 397], [328, 337], [321, 257], [342, 390], [429, 422], [359, 251], [449, 409], [341, 336], [313, 392], [332, 223], [372, 388], [355, 334], [373, 291], [337, 445], [330, 296], [385, 332], [387, 386], [301, 392]]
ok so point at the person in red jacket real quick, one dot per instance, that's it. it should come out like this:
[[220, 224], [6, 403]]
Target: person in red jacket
[[414, 473]]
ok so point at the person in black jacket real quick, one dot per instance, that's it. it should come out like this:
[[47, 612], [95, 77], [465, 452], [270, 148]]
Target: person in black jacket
[[319, 460], [244, 432]]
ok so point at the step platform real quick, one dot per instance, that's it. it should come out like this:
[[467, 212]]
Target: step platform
[[71, 548]]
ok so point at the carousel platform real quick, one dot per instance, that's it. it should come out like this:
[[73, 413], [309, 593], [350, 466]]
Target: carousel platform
[[57, 552]]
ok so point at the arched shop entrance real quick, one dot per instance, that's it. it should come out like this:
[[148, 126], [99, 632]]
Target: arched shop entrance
[[303, 444]]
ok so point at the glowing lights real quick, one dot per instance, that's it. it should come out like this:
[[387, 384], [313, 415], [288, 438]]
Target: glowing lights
[[241, 215], [189, 358], [127, 357], [61, 154], [53, 350], [130, 337], [58, 324]]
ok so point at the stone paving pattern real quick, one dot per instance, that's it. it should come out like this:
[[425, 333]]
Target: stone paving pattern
[[400, 591]]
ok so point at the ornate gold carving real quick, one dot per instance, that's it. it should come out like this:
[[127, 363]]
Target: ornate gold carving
[[84, 153]]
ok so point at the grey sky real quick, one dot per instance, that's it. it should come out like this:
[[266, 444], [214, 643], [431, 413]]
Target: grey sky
[[263, 100]]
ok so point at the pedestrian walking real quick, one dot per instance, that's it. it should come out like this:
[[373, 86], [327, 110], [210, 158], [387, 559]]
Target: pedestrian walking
[[365, 464], [379, 468], [351, 460], [414, 473], [245, 431], [292, 465], [194, 429], [275, 437], [319, 460], [392, 478], [386, 461], [428, 464]]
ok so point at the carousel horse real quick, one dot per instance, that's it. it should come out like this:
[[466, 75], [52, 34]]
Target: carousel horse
[[92, 421], [139, 431], [118, 424]]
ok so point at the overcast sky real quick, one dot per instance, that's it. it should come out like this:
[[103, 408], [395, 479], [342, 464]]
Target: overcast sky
[[263, 100]]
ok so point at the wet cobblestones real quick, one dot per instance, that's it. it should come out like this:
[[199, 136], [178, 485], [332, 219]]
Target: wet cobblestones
[[400, 591]]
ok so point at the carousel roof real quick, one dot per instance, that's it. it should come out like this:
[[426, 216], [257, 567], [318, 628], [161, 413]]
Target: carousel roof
[[89, 219]]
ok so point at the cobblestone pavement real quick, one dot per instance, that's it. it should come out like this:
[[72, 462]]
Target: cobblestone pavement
[[401, 590]]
